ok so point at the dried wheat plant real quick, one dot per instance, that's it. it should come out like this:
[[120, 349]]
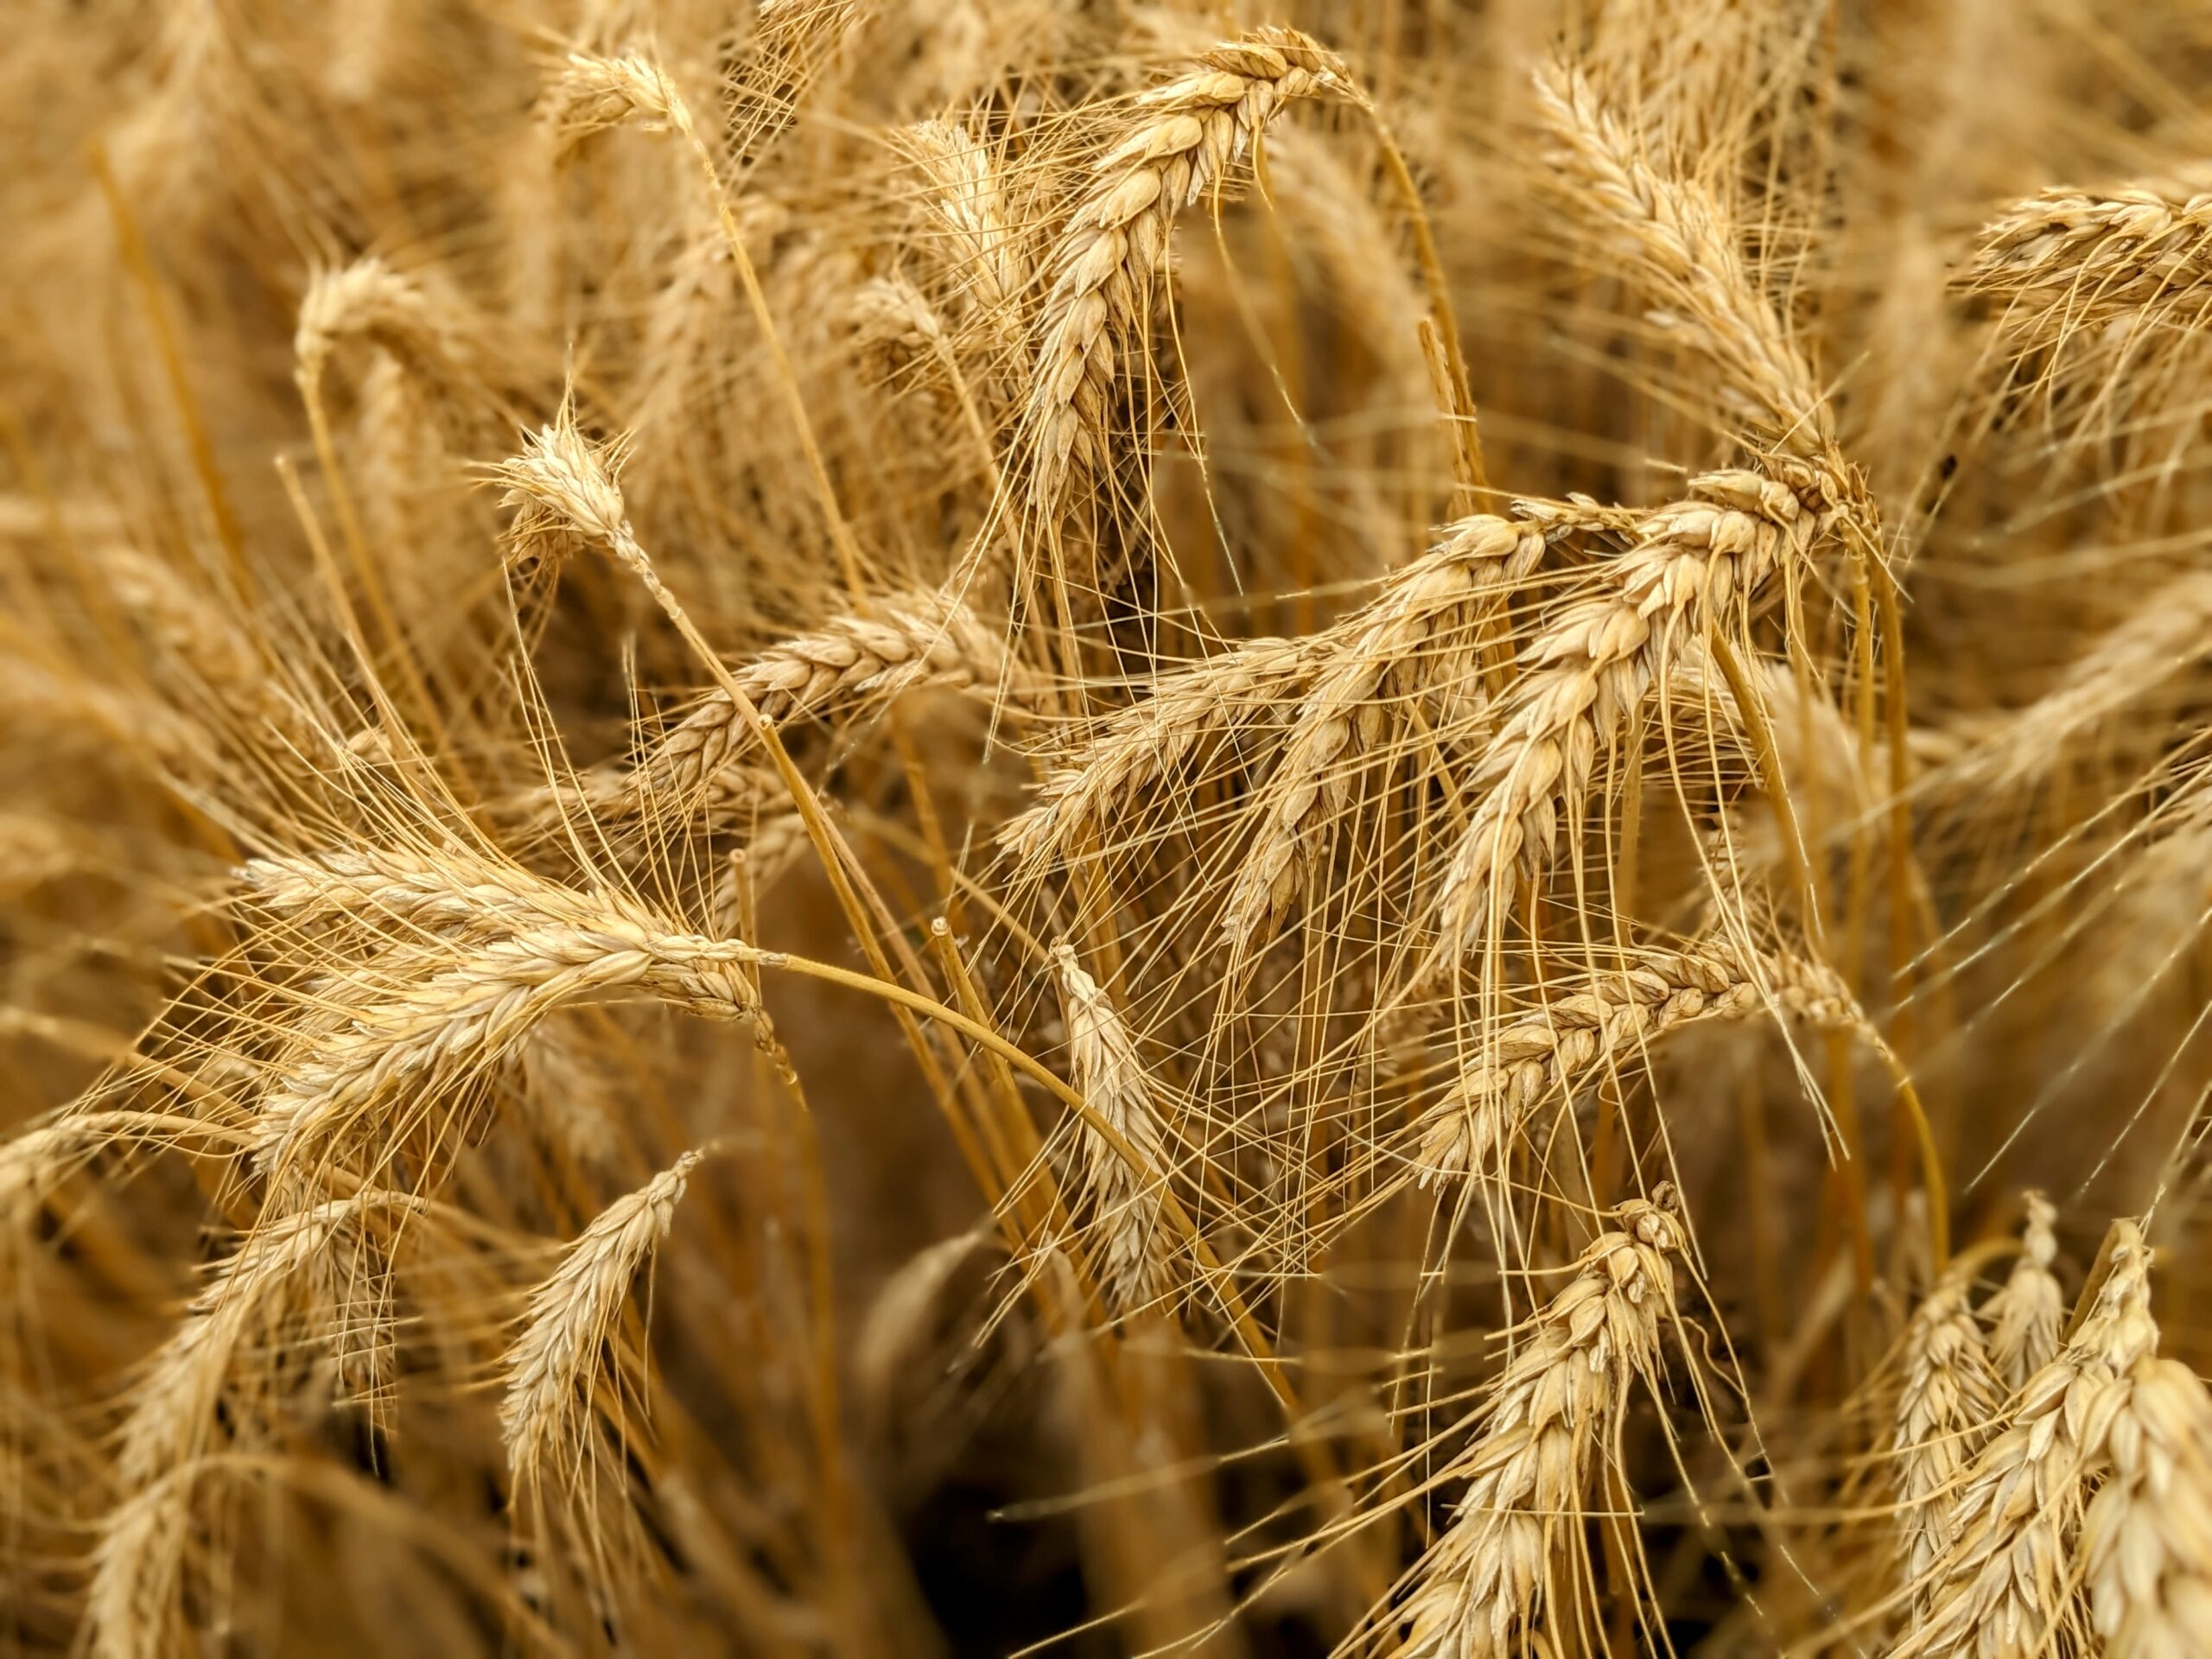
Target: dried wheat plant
[[1012, 827]]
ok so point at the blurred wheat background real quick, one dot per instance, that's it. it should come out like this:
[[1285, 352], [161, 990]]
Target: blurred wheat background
[[981, 827]]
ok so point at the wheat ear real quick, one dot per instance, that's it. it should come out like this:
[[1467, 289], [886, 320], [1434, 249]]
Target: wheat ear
[[1473, 571], [1585, 676], [2026, 1313], [196, 630], [1553, 1052], [1947, 1409], [369, 302], [2065, 261], [2147, 1537], [1180, 141], [1486, 1588], [1683, 250], [898, 643], [966, 206], [1135, 749], [2006, 1587], [1133, 1252], [552, 1366], [139, 1555], [425, 1015]]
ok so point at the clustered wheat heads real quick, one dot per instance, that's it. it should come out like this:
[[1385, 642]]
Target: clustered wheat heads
[[860, 830]]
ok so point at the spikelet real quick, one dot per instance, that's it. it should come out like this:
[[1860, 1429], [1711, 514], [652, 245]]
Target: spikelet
[[552, 1366]]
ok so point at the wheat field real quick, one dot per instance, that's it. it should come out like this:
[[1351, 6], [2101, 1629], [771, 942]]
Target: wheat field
[[932, 827]]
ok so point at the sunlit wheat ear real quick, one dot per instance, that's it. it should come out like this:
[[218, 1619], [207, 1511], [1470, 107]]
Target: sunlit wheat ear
[[1135, 750], [2008, 1585], [1695, 565], [1348, 707], [554, 1366], [1594, 1027], [1946, 1409], [2064, 262], [1130, 1243], [425, 1015], [1178, 142], [175, 1411], [850, 666], [988, 263], [2147, 1538], [1686, 253], [2026, 1313], [369, 302], [1498, 1577]]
